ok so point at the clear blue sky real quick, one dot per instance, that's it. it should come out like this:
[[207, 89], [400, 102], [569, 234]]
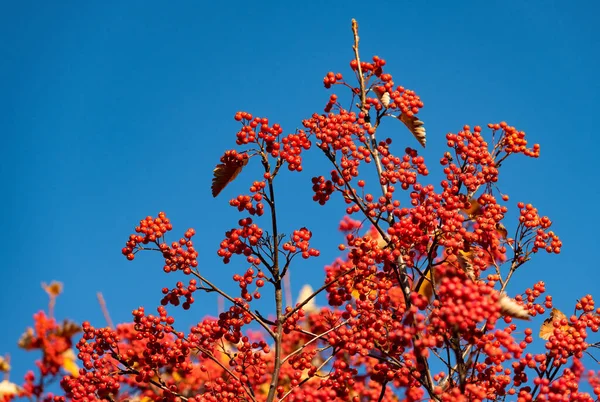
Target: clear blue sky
[[115, 110]]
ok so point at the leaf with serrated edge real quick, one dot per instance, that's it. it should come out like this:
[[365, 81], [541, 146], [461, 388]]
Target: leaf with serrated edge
[[225, 173]]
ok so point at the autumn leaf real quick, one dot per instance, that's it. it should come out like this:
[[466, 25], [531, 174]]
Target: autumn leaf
[[26, 340], [53, 289], [474, 208], [68, 329], [69, 364], [415, 126], [510, 308], [501, 229], [4, 365], [465, 260], [425, 285], [231, 165], [547, 328]]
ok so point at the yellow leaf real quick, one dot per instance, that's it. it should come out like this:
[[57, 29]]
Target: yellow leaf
[[474, 208], [425, 284], [547, 328], [69, 364], [4, 365]]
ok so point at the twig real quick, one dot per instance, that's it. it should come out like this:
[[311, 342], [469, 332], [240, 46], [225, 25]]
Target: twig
[[226, 296], [295, 352], [315, 293], [104, 309]]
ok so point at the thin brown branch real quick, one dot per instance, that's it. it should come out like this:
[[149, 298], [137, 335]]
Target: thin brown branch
[[231, 299], [295, 352], [308, 378], [104, 309], [278, 287], [315, 293]]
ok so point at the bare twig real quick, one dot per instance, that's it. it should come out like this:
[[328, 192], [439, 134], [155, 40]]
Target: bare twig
[[104, 309]]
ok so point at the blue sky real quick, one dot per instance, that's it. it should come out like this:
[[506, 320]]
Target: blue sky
[[115, 111]]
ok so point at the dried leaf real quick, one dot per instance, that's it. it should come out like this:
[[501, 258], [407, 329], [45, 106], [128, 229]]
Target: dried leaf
[[465, 261], [382, 95], [231, 165], [509, 307], [304, 294], [54, 289], [501, 229], [415, 126], [547, 328], [4, 365], [26, 340], [68, 329], [385, 99]]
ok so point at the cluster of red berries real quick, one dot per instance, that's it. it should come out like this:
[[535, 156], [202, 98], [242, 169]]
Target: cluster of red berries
[[150, 230], [246, 202], [322, 189], [513, 141], [464, 303], [348, 224], [240, 241], [287, 149], [331, 103], [339, 132], [472, 150], [299, 242], [181, 255], [544, 239], [403, 170], [247, 279], [174, 295], [293, 145], [332, 78]]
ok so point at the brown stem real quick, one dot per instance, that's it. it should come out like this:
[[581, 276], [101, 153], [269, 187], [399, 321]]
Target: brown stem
[[225, 295], [278, 291], [104, 309], [316, 292], [295, 352]]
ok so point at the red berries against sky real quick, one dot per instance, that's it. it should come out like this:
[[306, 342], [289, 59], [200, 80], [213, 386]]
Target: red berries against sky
[[416, 301]]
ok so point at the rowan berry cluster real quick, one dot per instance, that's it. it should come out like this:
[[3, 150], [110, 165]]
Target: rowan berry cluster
[[240, 241], [513, 141], [415, 301], [299, 243], [150, 230], [533, 223], [254, 203], [405, 100], [173, 296], [251, 276], [54, 342]]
